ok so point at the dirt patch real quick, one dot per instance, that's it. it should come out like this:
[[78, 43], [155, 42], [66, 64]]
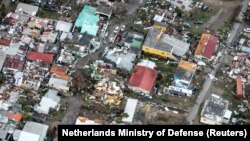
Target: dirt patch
[[169, 118], [226, 13]]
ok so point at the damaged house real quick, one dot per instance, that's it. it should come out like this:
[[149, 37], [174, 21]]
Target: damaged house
[[159, 43], [215, 111], [206, 47], [36, 68], [109, 92], [182, 79]]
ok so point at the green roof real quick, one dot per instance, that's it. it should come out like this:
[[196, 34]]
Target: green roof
[[136, 43], [87, 20], [89, 9], [89, 29]]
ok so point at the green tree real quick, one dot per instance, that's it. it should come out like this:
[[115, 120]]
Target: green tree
[[27, 108], [178, 12]]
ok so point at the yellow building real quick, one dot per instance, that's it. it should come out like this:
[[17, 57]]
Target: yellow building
[[154, 43]]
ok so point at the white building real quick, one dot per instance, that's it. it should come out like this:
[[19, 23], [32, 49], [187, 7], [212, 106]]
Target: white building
[[215, 111], [32, 131], [59, 84], [130, 110], [50, 100]]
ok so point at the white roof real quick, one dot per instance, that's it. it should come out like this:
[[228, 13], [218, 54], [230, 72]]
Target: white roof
[[45, 105], [64, 26], [228, 114], [147, 63], [27, 9], [13, 49], [179, 47], [16, 134], [26, 136], [130, 110], [18, 77], [36, 128], [158, 18], [2, 59], [52, 94]]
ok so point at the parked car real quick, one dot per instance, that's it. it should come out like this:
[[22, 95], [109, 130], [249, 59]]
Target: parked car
[[198, 22], [247, 30], [116, 29], [205, 8], [197, 4], [201, 5], [123, 27], [187, 25]]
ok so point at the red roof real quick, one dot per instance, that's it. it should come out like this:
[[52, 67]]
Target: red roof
[[14, 116], [34, 56], [143, 78], [209, 50], [239, 88], [60, 70], [5, 42], [14, 63]]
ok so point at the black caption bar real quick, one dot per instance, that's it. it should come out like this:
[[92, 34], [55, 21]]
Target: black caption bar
[[79, 132]]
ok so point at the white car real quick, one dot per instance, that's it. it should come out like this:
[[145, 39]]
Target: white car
[[123, 27], [249, 4], [116, 29], [247, 30]]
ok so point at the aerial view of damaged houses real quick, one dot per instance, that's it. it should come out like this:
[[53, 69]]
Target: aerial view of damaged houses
[[122, 62]]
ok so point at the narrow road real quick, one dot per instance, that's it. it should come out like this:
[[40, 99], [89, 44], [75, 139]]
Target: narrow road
[[243, 9], [71, 114], [195, 109]]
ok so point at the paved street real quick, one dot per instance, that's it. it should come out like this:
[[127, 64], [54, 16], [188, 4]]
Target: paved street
[[236, 29], [243, 9]]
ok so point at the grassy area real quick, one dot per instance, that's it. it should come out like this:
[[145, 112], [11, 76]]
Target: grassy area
[[48, 14], [166, 73], [204, 15]]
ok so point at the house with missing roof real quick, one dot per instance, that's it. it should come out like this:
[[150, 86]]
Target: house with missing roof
[[134, 42], [36, 68], [143, 80], [184, 74], [181, 85], [159, 43], [13, 64], [104, 10], [215, 111], [206, 47], [121, 58]]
